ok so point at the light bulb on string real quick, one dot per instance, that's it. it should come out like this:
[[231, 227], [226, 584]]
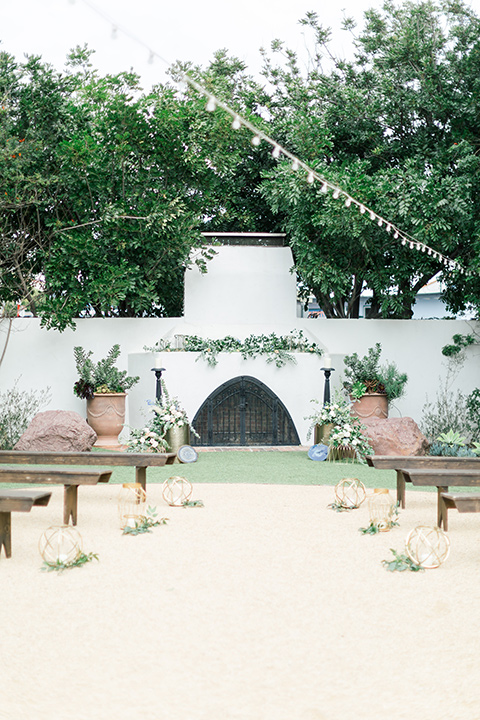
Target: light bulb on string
[[388, 227], [348, 202], [404, 242], [336, 194], [395, 234], [236, 124], [324, 188], [310, 177], [256, 140], [362, 209], [372, 215], [295, 164], [211, 104], [276, 152], [410, 245], [379, 222], [429, 251]]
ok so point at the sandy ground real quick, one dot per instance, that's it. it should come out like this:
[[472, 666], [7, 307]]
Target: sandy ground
[[263, 605]]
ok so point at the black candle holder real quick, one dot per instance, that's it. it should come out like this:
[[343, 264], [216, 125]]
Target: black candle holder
[[326, 392], [158, 389]]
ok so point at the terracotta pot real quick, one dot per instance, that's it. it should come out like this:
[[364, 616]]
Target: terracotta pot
[[106, 415], [176, 437], [322, 433], [371, 405]]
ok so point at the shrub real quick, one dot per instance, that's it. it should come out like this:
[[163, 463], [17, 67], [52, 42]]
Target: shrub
[[375, 377], [17, 408], [102, 376]]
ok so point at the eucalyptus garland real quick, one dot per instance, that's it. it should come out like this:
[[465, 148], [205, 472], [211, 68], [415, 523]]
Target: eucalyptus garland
[[278, 349]]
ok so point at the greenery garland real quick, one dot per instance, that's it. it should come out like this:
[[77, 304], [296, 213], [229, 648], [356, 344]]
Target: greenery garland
[[276, 348]]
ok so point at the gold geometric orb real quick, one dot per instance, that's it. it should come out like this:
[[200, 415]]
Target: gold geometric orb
[[132, 503], [60, 543], [176, 490], [428, 547], [350, 492]]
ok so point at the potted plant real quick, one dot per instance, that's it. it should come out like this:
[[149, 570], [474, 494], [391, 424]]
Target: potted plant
[[104, 387], [370, 385], [170, 421]]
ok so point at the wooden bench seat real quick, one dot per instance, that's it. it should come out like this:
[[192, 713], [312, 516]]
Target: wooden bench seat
[[399, 463], [140, 461], [70, 478], [17, 501], [463, 502]]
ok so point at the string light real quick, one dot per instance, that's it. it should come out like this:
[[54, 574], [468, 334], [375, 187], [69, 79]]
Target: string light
[[276, 152], [211, 104]]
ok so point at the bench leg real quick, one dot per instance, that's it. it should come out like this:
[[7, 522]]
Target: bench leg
[[400, 489], [442, 510], [6, 533], [70, 504], [141, 477]]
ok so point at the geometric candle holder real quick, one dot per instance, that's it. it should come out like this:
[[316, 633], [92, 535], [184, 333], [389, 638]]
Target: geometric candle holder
[[381, 509], [176, 490], [60, 543], [132, 502], [350, 493], [428, 547]]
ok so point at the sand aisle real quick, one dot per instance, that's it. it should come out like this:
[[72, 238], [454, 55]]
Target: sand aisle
[[263, 605]]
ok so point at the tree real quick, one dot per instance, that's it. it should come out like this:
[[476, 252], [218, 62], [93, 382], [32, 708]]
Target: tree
[[393, 130]]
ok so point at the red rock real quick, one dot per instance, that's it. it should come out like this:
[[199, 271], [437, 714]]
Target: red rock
[[58, 431], [395, 436]]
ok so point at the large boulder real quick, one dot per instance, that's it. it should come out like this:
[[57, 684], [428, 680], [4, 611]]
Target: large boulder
[[57, 431], [395, 436]]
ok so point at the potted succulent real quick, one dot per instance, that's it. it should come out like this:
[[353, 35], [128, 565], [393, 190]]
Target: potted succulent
[[370, 385], [104, 387]]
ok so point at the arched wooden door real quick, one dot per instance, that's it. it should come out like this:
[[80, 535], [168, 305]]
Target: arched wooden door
[[243, 412]]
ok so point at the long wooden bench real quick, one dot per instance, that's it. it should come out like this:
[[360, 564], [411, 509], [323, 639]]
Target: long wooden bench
[[17, 501], [442, 479], [140, 461], [463, 502], [67, 477], [419, 462]]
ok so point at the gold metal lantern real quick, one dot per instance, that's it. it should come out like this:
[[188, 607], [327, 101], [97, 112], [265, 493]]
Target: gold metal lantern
[[132, 504], [428, 547], [176, 490], [60, 544], [350, 493], [381, 509]]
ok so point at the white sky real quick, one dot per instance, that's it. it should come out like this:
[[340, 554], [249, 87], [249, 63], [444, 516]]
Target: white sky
[[180, 29]]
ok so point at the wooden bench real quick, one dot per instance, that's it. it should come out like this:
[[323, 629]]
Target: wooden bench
[[418, 462], [140, 461], [463, 502], [17, 501], [442, 479], [67, 477]]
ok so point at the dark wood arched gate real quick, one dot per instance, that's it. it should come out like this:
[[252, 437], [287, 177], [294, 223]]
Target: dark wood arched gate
[[243, 412]]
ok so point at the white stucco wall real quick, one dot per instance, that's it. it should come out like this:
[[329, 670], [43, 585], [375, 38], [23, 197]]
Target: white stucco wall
[[41, 357]]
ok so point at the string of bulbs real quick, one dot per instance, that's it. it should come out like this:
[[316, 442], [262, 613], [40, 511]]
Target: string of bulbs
[[278, 151]]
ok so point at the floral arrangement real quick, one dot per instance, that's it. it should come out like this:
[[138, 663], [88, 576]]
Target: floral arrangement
[[277, 349], [167, 414], [347, 432]]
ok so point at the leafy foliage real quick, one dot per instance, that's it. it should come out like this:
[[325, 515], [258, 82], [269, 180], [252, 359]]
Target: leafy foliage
[[401, 563], [375, 377], [60, 566], [102, 376], [145, 523], [17, 408], [347, 432]]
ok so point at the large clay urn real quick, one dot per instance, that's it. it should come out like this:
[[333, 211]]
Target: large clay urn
[[371, 405], [106, 415]]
